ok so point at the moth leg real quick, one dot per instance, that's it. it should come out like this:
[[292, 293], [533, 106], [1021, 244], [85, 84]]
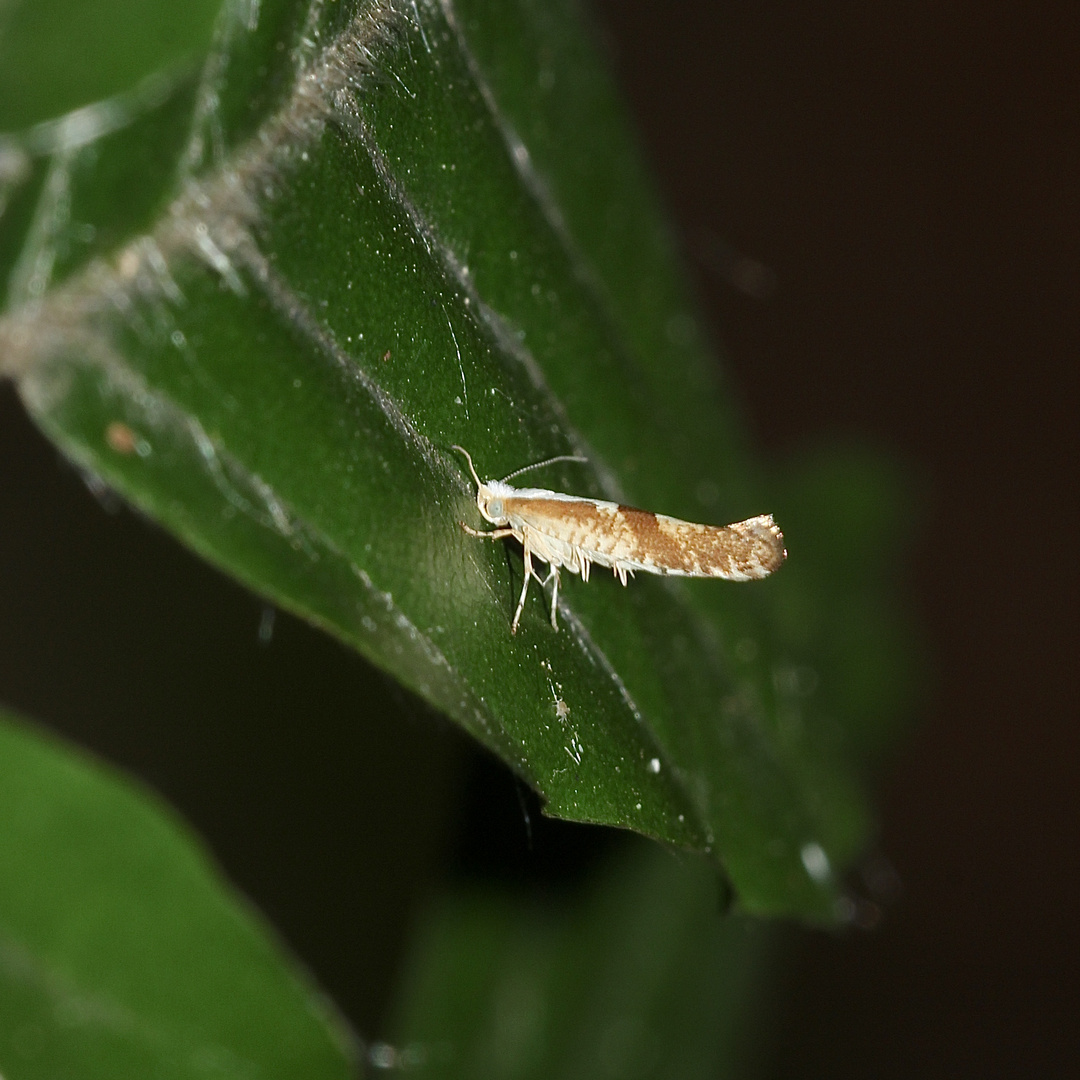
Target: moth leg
[[542, 582], [495, 534], [553, 577], [524, 586]]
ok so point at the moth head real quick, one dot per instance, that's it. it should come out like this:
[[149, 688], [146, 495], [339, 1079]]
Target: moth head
[[489, 497], [489, 501]]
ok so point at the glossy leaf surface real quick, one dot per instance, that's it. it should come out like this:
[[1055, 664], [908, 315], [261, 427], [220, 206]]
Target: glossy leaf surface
[[264, 304]]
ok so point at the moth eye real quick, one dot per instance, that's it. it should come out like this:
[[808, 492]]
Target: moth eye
[[495, 508]]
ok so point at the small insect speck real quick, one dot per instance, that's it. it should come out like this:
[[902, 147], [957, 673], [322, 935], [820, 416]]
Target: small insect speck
[[121, 438], [124, 440]]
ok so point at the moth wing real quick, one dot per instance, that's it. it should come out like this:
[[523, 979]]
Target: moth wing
[[629, 539]]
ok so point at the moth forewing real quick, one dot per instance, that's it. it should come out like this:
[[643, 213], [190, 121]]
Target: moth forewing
[[627, 539], [569, 532], [745, 551]]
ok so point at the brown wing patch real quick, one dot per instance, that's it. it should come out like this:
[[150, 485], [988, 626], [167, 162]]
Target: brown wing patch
[[578, 521], [748, 549], [654, 542]]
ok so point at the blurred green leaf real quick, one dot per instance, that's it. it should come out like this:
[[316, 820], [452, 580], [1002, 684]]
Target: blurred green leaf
[[122, 952], [641, 977], [843, 607], [58, 55], [264, 304]]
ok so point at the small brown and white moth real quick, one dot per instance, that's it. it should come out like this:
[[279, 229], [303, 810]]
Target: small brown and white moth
[[569, 532]]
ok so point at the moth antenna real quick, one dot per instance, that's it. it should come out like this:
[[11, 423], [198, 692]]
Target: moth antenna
[[541, 464], [468, 458]]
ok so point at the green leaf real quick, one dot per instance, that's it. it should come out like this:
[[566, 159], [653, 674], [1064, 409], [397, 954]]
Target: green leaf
[[264, 304], [122, 952], [58, 55], [640, 977]]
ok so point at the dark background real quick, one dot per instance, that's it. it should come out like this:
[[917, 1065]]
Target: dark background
[[907, 175]]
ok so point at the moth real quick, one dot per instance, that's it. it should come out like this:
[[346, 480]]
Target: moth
[[571, 533]]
